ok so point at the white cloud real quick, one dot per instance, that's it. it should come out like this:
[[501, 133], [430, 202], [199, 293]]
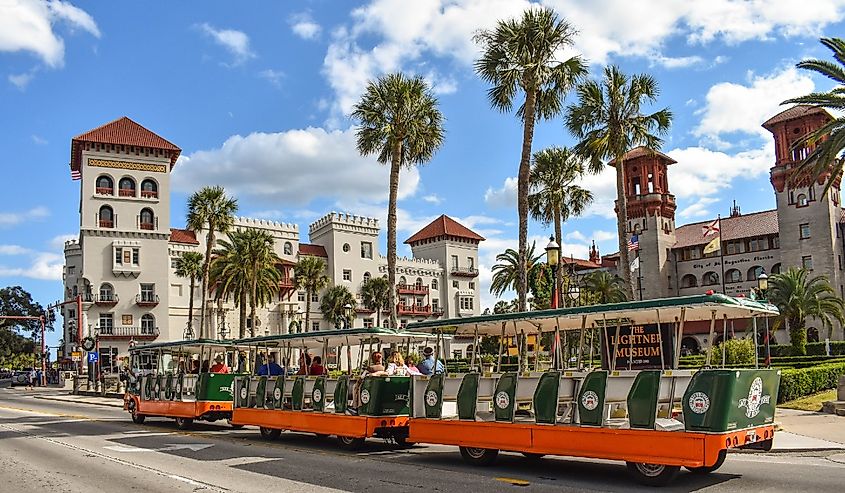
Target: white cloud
[[27, 25], [433, 198], [503, 197], [44, 265], [13, 250], [235, 42], [698, 208], [676, 62], [39, 140], [22, 80], [303, 25], [702, 172], [58, 242], [273, 76], [293, 168], [736, 108], [14, 218]]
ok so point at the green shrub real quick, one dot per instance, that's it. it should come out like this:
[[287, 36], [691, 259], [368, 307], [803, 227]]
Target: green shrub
[[737, 352], [837, 348], [795, 383]]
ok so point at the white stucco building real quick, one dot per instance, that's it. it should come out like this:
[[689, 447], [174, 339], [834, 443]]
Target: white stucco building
[[122, 264]]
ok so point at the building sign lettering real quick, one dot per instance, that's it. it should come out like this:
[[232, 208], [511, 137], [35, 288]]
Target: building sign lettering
[[640, 345]]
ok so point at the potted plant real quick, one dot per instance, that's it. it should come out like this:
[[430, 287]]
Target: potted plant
[[487, 361]]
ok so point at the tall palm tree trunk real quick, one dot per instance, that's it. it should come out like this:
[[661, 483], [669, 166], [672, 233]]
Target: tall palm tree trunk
[[252, 294], [395, 162], [559, 271], [307, 311], [624, 267], [242, 315], [523, 184], [209, 243], [191, 307]]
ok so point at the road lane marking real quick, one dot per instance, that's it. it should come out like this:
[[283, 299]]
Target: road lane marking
[[168, 447], [514, 481]]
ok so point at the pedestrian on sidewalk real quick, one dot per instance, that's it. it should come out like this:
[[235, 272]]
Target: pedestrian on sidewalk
[[31, 379]]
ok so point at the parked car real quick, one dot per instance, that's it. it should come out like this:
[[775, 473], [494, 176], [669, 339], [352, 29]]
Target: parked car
[[20, 378]]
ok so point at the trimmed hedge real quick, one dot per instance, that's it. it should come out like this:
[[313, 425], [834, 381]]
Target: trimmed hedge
[[837, 348], [795, 383]]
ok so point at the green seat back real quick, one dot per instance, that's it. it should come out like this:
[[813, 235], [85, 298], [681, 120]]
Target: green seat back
[[242, 399], [168, 387], [261, 392], [503, 398], [279, 392], [158, 386], [434, 396], [318, 394], [177, 392], [148, 387], [298, 393], [468, 396], [642, 399], [341, 394], [591, 398], [545, 397]]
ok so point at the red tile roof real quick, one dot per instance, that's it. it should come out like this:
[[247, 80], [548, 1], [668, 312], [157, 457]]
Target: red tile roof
[[732, 228], [642, 151], [796, 111], [312, 250], [183, 236], [580, 263], [444, 226], [122, 131]]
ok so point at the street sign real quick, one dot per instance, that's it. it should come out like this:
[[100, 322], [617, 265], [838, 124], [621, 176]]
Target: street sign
[[88, 343], [93, 357], [76, 356]]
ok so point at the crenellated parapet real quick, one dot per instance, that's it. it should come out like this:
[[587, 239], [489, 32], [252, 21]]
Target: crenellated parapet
[[343, 221]]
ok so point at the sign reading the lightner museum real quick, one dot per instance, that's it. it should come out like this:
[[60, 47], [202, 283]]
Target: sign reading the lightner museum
[[638, 347]]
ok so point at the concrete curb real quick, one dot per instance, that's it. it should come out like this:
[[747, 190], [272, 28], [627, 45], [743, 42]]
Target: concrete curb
[[80, 402], [785, 451]]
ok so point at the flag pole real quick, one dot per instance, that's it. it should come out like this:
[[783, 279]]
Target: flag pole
[[721, 254]]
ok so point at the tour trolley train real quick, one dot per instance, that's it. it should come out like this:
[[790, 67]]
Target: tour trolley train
[[323, 404], [656, 420], [176, 380]]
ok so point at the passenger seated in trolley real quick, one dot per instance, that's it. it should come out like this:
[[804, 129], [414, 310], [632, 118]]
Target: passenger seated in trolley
[[396, 367], [411, 363], [375, 368], [195, 366], [219, 365], [271, 367], [428, 366], [316, 367], [304, 363]]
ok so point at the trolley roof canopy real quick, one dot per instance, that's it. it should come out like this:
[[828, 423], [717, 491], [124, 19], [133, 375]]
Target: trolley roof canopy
[[190, 345], [339, 337], [663, 310]]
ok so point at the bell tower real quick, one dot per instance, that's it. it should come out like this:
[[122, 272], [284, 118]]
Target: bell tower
[[651, 217]]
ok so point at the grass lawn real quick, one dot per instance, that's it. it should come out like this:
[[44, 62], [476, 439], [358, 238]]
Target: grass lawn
[[811, 402]]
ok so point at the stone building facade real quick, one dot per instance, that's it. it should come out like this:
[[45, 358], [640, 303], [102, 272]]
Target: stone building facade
[[122, 265]]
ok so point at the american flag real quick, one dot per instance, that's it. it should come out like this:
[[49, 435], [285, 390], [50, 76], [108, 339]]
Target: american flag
[[75, 174], [634, 243]]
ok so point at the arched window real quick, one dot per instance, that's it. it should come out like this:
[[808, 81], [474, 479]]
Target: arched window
[[434, 284], [689, 281], [402, 281], [812, 334], [149, 189], [288, 248], [753, 273], [733, 275], [710, 279], [127, 187], [147, 219], [105, 185], [775, 269], [419, 283], [366, 276], [106, 217], [802, 200], [106, 292], [148, 324]]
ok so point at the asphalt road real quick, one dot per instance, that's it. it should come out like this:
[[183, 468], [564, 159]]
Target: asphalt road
[[47, 445]]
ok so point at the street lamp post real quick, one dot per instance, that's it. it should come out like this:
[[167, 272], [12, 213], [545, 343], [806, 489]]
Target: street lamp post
[[347, 315], [762, 287], [298, 319], [553, 258], [574, 293]]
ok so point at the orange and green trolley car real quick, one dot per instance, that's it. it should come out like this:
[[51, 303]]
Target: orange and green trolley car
[[185, 380], [342, 403], [636, 407]]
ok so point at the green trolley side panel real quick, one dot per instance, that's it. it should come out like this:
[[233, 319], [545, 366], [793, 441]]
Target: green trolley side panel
[[385, 396], [261, 392], [503, 398], [591, 399], [721, 400], [468, 396], [341, 394], [642, 399], [215, 386], [242, 399], [546, 396], [318, 394], [298, 393], [279, 392], [434, 397]]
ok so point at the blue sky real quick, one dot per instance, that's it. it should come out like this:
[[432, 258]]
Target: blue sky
[[257, 95]]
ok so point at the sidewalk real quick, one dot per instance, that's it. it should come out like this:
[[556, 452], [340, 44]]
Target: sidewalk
[[66, 396], [805, 431]]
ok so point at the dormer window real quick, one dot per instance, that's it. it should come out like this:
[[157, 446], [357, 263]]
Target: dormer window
[[149, 189], [105, 186], [127, 187]]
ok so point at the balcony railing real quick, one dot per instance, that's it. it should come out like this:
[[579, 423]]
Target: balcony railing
[[106, 300], [127, 192], [404, 309], [411, 289], [105, 191], [146, 299], [127, 332], [437, 312], [149, 194], [147, 225], [106, 223], [465, 271]]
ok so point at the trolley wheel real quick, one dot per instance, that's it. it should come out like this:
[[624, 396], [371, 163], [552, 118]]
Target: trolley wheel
[[479, 456], [350, 443], [137, 417], [321, 436], [236, 427], [184, 423], [533, 455], [270, 433], [652, 474], [402, 441], [708, 469]]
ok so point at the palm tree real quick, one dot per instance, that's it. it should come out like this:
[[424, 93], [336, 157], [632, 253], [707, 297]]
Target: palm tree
[[190, 265], [209, 209], [608, 121], [229, 274], [310, 274], [554, 195], [828, 142], [261, 261], [506, 272], [799, 297], [399, 120], [603, 287], [520, 56], [375, 295], [334, 302]]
